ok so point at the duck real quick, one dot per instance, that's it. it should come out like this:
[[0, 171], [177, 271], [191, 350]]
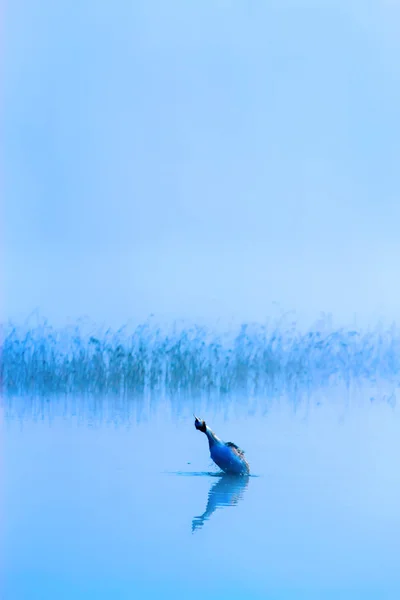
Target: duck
[[226, 455]]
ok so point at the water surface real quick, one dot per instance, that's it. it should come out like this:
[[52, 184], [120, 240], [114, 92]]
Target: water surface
[[106, 501]]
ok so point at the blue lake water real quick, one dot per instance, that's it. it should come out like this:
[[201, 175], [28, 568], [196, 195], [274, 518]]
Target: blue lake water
[[118, 499]]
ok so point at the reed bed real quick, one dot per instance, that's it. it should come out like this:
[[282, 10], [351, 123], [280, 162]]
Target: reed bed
[[252, 359]]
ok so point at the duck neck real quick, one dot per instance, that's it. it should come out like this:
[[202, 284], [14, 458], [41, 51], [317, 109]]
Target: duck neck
[[212, 438]]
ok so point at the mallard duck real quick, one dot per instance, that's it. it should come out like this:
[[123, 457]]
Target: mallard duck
[[226, 455]]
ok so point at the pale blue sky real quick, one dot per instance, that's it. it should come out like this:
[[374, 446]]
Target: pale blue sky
[[201, 158]]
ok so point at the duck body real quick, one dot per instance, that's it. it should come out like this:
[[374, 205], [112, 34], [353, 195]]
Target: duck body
[[229, 459], [226, 455]]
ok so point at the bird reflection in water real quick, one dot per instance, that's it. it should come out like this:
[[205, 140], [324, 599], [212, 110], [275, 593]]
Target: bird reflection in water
[[227, 491]]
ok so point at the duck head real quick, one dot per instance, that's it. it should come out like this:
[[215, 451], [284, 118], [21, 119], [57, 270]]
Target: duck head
[[199, 424]]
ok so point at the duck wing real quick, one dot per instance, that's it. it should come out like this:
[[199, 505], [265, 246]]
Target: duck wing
[[235, 447]]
